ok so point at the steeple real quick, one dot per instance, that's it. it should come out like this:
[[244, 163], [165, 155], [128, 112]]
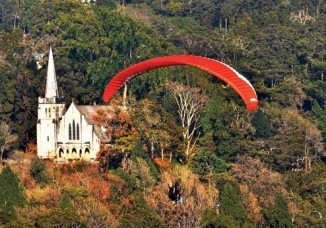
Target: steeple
[[51, 89]]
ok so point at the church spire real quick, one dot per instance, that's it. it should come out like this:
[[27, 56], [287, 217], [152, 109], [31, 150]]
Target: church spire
[[51, 89]]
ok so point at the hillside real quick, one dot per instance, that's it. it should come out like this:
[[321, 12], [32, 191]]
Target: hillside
[[264, 168]]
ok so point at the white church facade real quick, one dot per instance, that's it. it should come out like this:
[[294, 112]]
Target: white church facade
[[69, 133]]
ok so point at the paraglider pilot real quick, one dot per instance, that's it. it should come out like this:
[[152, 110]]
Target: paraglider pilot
[[175, 193]]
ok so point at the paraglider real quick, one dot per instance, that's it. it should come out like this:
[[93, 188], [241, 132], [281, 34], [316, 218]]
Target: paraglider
[[220, 70]]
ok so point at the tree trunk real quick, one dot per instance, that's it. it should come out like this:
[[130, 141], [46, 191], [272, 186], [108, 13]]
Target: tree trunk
[[188, 149], [124, 96], [306, 157], [1, 155], [162, 154], [152, 149]]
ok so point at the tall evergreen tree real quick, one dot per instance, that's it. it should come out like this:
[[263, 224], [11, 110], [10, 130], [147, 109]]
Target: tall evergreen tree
[[278, 215], [231, 205], [11, 195], [260, 122]]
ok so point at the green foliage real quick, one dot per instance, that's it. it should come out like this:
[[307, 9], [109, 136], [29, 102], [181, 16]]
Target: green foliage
[[66, 204], [74, 192], [138, 152], [231, 205], [60, 218], [38, 171], [205, 162], [278, 215], [11, 195], [20, 222], [141, 215], [209, 219], [130, 181], [261, 124], [66, 214], [141, 171], [108, 3], [320, 113], [283, 57], [307, 184]]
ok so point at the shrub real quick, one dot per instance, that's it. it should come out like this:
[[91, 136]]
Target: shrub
[[38, 171], [141, 215], [130, 182], [204, 163], [80, 166], [74, 192], [209, 218]]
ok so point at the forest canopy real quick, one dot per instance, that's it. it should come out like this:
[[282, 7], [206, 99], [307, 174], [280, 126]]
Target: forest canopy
[[270, 163]]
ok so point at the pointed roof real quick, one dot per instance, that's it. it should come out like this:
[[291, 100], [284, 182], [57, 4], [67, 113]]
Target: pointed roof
[[89, 111], [51, 81]]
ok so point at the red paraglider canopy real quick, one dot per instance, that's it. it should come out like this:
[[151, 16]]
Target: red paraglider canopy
[[224, 72]]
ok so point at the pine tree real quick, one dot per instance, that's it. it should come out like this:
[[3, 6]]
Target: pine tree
[[278, 215], [231, 205], [11, 195], [261, 125]]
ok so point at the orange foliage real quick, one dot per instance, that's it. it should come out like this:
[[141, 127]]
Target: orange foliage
[[250, 201], [31, 148], [118, 191], [89, 179], [161, 164], [128, 202]]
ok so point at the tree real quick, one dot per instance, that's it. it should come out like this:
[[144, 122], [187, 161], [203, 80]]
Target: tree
[[231, 205], [38, 172], [206, 162], [261, 125], [278, 215], [141, 171], [7, 137], [190, 103], [11, 195], [307, 135], [148, 122], [262, 181], [119, 128]]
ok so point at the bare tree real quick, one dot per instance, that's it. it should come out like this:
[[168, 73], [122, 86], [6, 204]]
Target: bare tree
[[190, 103], [312, 140], [197, 197], [7, 137]]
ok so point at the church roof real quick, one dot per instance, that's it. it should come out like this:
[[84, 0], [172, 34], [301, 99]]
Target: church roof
[[89, 111]]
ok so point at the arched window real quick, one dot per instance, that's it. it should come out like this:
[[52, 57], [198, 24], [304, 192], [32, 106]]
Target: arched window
[[69, 131], [61, 154], [46, 112], [77, 131], [73, 130]]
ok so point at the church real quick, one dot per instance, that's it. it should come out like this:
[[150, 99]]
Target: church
[[65, 134]]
